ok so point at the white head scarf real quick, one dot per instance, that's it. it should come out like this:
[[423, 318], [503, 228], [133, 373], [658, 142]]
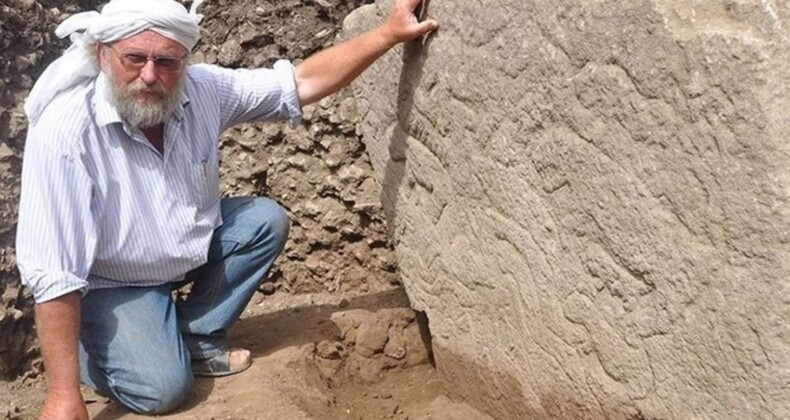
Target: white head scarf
[[118, 20]]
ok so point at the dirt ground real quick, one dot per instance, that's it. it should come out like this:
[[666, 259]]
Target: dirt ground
[[312, 359]]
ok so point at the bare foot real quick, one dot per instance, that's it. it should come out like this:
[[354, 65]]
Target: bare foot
[[239, 358], [234, 361]]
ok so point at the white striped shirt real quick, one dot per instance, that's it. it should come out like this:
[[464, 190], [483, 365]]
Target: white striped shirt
[[100, 207]]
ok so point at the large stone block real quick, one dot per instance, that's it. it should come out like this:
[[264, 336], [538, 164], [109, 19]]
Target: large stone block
[[590, 202]]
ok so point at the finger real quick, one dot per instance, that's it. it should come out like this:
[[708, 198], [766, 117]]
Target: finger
[[411, 4], [427, 26]]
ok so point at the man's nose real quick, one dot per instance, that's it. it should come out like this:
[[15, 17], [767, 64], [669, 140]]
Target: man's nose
[[148, 73]]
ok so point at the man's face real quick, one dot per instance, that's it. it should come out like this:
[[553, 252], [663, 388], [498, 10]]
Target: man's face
[[144, 91]]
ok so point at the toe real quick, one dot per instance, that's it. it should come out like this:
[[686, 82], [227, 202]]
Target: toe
[[239, 357]]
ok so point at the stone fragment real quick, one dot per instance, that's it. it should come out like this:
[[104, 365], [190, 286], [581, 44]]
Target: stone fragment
[[308, 112], [329, 350], [268, 288], [230, 52], [351, 173], [394, 350], [372, 337]]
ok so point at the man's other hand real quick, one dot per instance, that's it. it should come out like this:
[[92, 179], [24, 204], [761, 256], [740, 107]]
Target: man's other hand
[[64, 405]]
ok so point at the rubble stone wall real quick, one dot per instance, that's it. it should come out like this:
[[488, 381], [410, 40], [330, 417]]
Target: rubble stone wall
[[319, 171], [590, 202]]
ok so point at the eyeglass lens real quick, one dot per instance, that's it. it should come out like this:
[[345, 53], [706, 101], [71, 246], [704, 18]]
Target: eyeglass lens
[[137, 61], [164, 63]]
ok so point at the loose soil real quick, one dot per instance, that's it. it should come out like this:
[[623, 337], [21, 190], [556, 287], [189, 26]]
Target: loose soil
[[293, 376]]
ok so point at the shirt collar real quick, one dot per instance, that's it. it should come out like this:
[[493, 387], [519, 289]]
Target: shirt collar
[[107, 114], [183, 101]]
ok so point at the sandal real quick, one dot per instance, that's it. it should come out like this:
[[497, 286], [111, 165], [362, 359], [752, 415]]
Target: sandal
[[219, 365]]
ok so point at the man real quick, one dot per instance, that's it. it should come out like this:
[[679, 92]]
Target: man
[[120, 199]]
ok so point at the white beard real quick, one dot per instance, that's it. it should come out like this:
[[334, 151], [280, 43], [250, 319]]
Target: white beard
[[152, 112]]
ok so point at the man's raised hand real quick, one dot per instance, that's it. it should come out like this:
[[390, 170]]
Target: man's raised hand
[[403, 25]]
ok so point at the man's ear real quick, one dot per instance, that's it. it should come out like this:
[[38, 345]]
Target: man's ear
[[101, 56]]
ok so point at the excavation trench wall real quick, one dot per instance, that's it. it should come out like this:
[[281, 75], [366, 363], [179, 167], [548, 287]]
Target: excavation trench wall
[[318, 171], [590, 202]]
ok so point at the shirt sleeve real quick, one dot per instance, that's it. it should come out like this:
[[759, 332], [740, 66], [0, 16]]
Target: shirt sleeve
[[248, 95], [56, 234]]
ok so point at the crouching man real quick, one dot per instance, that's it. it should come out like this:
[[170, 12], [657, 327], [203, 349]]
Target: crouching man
[[120, 199]]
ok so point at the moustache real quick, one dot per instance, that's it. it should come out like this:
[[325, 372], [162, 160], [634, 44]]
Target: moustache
[[139, 87]]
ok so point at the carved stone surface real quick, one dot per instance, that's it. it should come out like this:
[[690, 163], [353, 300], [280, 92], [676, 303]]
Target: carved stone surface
[[590, 202]]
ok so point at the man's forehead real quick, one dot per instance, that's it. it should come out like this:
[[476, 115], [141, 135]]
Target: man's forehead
[[152, 41]]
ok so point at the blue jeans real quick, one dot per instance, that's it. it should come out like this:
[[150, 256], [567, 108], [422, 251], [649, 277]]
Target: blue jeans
[[136, 343]]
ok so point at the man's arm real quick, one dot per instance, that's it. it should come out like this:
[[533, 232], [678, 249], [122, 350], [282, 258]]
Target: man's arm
[[55, 245], [332, 69], [58, 324]]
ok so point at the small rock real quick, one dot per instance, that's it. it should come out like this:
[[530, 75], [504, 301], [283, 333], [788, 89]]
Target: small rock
[[311, 209], [348, 110], [323, 33], [308, 112], [16, 314], [329, 350], [351, 173], [299, 162], [267, 289], [25, 81], [334, 160], [372, 337], [54, 14], [398, 353], [11, 294], [25, 4], [22, 63], [230, 53], [326, 103]]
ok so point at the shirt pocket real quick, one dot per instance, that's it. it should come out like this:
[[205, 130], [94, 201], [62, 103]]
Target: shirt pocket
[[204, 182]]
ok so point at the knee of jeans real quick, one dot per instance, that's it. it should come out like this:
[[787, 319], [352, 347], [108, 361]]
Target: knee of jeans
[[277, 223], [158, 397]]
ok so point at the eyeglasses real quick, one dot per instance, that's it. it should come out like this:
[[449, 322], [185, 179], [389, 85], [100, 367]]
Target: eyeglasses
[[138, 61]]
